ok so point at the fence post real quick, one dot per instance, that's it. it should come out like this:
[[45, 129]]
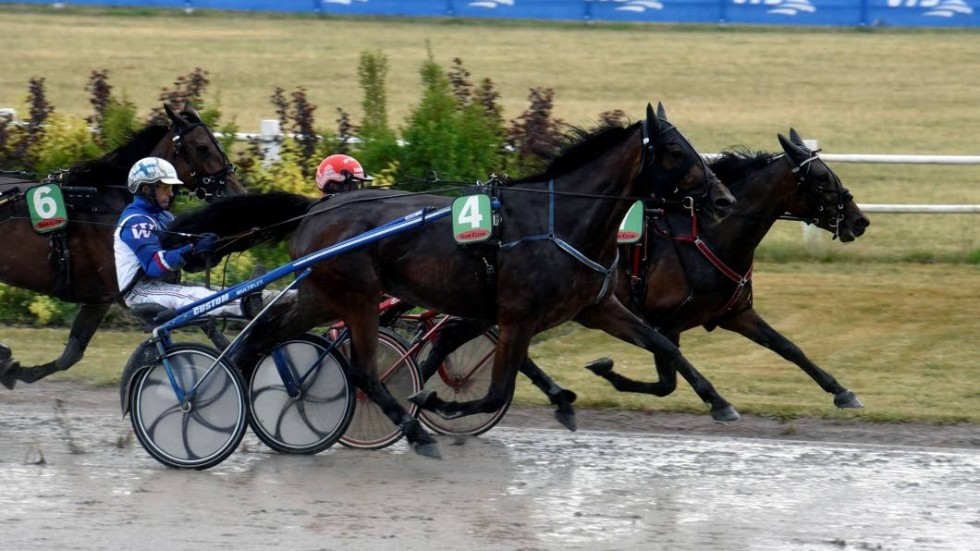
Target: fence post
[[269, 139]]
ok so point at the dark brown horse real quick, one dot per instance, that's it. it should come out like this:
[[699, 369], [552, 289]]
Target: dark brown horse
[[77, 265], [683, 276], [695, 277], [553, 258]]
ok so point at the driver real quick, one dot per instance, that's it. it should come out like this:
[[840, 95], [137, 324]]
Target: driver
[[145, 271]]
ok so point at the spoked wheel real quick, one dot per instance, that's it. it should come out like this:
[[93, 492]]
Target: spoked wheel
[[205, 427], [464, 376], [300, 396], [370, 428]]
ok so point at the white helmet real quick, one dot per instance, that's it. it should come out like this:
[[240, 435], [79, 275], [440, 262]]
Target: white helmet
[[151, 170]]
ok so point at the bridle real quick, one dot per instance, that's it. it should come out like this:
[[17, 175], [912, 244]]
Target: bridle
[[833, 215], [691, 200], [212, 184]]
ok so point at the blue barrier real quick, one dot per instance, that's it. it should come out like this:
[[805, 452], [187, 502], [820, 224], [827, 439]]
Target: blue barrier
[[845, 13]]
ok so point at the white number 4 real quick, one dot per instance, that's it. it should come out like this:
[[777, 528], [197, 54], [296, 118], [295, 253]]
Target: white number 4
[[470, 213]]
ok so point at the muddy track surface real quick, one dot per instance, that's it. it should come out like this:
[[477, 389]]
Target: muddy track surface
[[74, 478]]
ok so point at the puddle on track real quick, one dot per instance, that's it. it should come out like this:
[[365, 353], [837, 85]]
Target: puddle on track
[[509, 489]]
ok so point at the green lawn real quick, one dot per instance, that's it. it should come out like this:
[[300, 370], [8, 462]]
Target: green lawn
[[902, 336]]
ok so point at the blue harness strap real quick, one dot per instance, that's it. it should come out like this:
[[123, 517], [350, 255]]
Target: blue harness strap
[[606, 273]]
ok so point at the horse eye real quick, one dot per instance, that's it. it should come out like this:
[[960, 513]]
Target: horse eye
[[203, 150], [675, 151]]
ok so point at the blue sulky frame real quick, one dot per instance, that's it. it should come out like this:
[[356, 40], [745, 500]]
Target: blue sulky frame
[[188, 314]]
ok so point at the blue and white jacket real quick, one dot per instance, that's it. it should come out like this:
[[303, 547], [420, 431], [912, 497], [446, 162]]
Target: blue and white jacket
[[136, 244]]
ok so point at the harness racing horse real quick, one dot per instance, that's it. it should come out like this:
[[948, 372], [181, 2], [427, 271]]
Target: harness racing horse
[[695, 277], [683, 276], [554, 258], [76, 264]]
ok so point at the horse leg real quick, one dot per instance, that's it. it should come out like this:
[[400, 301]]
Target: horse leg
[[616, 320], [451, 336], [458, 332], [559, 397], [364, 373], [8, 367], [510, 353], [86, 323], [751, 325]]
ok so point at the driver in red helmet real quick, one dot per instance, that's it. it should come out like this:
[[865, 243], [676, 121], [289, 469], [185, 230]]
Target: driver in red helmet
[[339, 173]]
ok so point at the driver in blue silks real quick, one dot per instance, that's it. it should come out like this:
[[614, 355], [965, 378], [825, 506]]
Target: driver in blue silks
[[145, 271]]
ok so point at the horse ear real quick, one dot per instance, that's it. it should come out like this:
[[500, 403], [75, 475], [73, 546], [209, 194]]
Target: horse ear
[[653, 123], [189, 110], [661, 112], [795, 138], [176, 118], [795, 152]]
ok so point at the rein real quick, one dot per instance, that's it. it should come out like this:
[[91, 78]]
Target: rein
[[606, 273]]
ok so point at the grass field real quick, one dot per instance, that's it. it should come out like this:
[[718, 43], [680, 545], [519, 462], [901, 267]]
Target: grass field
[[884, 91], [902, 335]]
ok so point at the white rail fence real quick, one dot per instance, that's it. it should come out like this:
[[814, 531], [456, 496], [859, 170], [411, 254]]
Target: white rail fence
[[270, 137]]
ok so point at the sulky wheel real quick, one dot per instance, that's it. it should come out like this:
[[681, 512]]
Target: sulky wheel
[[203, 427], [300, 396], [464, 376], [371, 428]]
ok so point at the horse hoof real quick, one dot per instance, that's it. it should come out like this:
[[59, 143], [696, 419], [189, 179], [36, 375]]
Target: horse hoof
[[429, 450], [567, 419], [567, 397], [601, 367], [8, 378], [5, 352], [423, 397], [726, 414], [8, 372], [563, 398], [847, 399]]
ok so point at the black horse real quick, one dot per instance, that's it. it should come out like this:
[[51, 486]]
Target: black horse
[[554, 258], [683, 275], [76, 264]]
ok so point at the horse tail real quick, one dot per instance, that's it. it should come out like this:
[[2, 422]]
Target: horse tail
[[242, 221]]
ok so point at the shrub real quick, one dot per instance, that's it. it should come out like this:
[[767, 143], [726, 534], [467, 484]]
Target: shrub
[[66, 140], [378, 151], [449, 132]]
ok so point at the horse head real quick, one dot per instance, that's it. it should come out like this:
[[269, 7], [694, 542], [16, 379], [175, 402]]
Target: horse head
[[823, 199], [198, 156], [669, 157]]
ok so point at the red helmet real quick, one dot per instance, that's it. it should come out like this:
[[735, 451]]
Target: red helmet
[[340, 173]]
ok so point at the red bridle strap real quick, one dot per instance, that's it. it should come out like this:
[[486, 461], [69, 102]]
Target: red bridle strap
[[741, 280]]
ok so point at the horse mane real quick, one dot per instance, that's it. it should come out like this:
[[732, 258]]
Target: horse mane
[[579, 147], [113, 167], [738, 163]]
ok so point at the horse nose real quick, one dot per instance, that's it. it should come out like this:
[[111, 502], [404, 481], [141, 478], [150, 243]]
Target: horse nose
[[860, 225]]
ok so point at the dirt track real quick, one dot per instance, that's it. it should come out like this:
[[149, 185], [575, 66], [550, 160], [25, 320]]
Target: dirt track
[[73, 478]]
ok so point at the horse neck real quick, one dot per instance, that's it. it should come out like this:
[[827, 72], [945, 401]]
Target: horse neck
[[113, 192], [166, 148], [760, 199], [619, 170]]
